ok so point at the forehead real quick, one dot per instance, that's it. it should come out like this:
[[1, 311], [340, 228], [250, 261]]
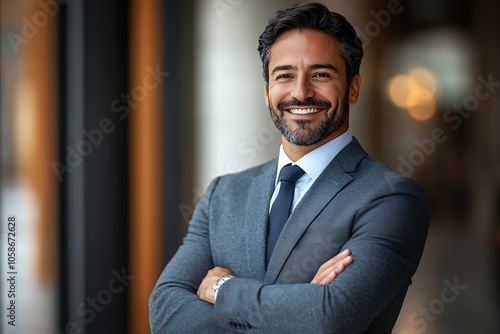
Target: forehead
[[306, 47]]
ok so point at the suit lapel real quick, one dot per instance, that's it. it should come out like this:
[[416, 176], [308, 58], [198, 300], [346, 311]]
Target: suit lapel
[[257, 215], [329, 183]]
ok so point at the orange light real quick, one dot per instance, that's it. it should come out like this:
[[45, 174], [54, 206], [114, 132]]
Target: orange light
[[415, 93], [400, 88], [421, 104], [425, 78]]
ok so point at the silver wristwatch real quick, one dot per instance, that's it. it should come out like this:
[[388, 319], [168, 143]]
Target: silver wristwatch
[[218, 284]]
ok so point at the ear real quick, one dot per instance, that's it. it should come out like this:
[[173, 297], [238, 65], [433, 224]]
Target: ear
[[354, 89], [266, 94]]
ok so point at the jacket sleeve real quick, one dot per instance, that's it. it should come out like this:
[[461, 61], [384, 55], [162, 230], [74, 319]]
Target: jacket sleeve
[[387, 241], [174, 306]]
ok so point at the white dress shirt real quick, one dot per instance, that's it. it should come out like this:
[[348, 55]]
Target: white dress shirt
[[313, 165]]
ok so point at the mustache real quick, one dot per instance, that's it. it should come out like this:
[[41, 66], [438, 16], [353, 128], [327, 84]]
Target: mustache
[[323, 104]]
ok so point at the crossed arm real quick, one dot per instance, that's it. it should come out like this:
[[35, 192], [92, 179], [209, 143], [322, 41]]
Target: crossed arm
[[325, 275], [346, 293]]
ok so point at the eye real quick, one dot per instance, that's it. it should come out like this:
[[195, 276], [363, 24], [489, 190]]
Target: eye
[[283, 76], [322, 75]]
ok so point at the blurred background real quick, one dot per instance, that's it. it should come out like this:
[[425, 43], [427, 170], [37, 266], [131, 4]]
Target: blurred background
[[115, 116]]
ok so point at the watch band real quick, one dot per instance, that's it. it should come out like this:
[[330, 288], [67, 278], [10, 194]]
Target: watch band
[[219, 283]]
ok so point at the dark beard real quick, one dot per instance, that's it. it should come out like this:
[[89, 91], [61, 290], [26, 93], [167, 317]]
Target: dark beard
[[302, 136]]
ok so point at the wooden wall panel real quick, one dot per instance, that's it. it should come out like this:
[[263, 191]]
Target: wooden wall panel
[[145, 160]]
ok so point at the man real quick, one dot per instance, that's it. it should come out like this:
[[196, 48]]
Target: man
[[344, 259]]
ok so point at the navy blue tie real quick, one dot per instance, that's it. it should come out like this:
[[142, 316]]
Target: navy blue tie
[[282, 206]]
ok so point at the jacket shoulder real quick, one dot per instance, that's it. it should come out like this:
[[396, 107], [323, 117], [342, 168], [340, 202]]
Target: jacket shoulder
[[375, 174], [266, 168]]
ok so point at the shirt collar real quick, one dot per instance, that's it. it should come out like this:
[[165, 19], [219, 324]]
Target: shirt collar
[[316, 161]]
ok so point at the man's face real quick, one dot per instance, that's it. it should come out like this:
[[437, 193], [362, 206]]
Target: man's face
[[308, 96]]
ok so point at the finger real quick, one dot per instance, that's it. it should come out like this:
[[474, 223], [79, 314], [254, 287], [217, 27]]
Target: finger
[[342, 261], [337, 258], [332, 275], [323, 273], [219, 271], [339, 267], [327, 275], [329, 278], [200, 289], [331, 264], [347, 261], [337, 270]]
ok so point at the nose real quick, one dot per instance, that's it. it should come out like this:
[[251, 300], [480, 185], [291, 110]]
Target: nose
[[302, 88]]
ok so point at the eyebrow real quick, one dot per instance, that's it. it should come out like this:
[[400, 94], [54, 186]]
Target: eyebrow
[[323, 66], [312, 67], [283, 68]]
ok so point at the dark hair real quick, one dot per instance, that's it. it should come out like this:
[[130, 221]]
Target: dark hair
[[313, 16]]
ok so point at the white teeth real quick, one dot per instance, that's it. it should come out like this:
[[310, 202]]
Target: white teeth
[[304, 111]]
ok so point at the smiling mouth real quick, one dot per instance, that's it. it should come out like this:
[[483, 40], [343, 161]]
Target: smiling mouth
[[303, 111]]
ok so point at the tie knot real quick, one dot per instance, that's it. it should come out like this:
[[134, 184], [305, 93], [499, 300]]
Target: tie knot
[[291, 173]]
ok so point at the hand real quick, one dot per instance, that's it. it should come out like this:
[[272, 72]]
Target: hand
[[332, 268], [205, 291]]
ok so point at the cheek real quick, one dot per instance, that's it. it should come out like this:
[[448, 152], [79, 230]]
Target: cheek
[[278, 94], [332, 94]]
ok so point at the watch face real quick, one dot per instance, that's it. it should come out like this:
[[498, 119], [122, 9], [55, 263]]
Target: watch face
[[218, 283]]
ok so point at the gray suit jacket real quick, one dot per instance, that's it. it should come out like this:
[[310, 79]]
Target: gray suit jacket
[[356, 203]]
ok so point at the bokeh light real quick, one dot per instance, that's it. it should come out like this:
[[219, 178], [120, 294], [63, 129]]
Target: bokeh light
[[415, 93]]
